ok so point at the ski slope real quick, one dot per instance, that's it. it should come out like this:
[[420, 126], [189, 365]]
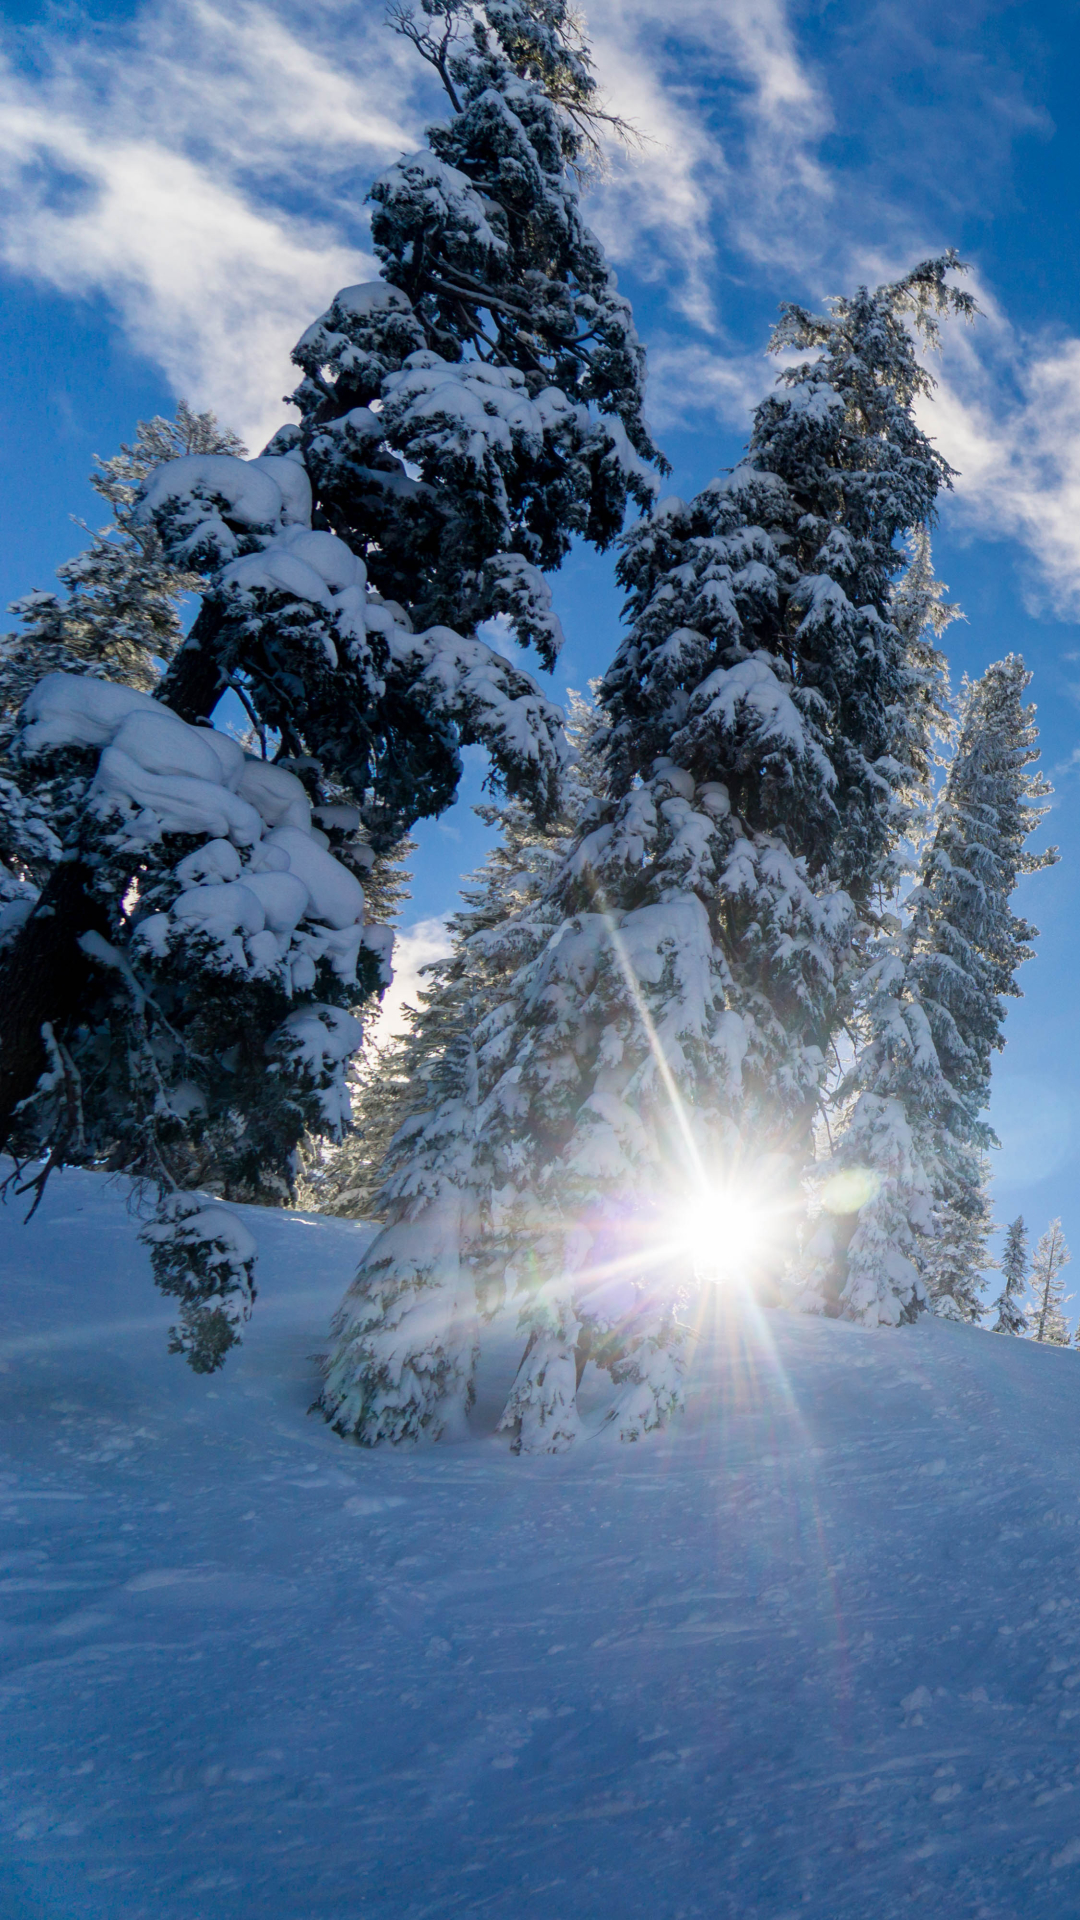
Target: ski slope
[[815, 1652]]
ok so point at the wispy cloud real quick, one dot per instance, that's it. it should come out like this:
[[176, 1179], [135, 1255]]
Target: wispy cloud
[[162, 173], [730, 119], [204, 170], [1006, 415], [415, 947], [690, 384]]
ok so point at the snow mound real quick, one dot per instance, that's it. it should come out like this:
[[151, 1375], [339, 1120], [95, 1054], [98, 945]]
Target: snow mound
[[815, 1650]]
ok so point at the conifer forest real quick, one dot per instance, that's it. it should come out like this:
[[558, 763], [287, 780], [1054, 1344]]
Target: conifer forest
[[636, 1517]]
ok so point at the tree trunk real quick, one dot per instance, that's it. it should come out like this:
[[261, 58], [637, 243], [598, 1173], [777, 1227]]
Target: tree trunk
[[44, 972], [192, 685], [42, 978]]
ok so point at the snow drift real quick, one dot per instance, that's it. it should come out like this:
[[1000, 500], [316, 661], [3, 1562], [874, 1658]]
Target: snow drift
[[814, 1651]]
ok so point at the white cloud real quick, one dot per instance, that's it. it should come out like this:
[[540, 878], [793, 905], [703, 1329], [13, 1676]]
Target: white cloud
[[661, 209], [414, 947], [689, 384], [1007, 416], [210, 288], [163, 174]]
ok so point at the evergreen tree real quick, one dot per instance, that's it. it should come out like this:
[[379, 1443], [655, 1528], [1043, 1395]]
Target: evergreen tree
[[933, 998], [764, 752], [423, 1155], [343, 1177], [120, 613], [769, 744], [1048, 1296], [118, 619], [506, 383], [956, 1257], [1010, 1315]]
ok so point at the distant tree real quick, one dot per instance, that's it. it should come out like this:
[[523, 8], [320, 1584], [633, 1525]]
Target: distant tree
[[425, 1156], [1048, 1295], [1014, 1272], [118, 618], [119, 615], [955, 1256], [933, 1010]]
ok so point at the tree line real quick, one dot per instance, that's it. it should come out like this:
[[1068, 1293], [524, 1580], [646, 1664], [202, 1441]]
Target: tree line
[[747, 929]]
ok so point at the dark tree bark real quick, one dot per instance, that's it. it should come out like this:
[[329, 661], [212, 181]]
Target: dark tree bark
[[192, 686], [44, 973], [42, 978]]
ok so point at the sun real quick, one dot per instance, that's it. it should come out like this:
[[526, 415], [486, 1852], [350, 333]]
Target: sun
[[723, 1231]]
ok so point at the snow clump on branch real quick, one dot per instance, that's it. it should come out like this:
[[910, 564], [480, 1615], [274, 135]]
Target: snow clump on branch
[[279, 585]]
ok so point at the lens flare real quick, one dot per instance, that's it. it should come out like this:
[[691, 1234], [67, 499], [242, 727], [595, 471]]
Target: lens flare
[[724, 1232], [846, 1192]]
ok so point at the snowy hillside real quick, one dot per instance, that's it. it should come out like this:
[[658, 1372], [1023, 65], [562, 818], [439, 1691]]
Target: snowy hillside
[[815, 1652]]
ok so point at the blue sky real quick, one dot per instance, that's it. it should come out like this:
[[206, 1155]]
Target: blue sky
[[181, 191]]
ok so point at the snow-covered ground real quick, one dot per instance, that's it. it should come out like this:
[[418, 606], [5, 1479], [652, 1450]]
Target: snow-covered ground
[[816, 1652]]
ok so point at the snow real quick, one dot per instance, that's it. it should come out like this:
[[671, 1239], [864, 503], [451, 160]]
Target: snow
[[159, 775], [814, 1651], [278, 795], [336, 894], [310, 566], [179, 803], [229, 907], [192, 490], [162, 743], [359, 302], [75, 710]]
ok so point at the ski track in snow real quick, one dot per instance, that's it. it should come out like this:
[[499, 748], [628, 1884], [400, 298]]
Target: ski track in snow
[[815, 1652]]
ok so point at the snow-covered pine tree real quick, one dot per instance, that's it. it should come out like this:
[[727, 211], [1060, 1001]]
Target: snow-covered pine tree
[[504, 370], [1048, 1297], [770, 737], [405, 1336], [769, 726], [1011, 1317], [934, 993], [464, 417], [500, 354], [969, 944], [671, 1028], [119, 618]]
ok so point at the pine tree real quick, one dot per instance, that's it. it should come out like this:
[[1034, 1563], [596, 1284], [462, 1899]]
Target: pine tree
[[934, 992], [1048, 1296], [119, 619], [764, 742], [405, 1336], [506, 385], [768, 746], [1014, 1266]]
